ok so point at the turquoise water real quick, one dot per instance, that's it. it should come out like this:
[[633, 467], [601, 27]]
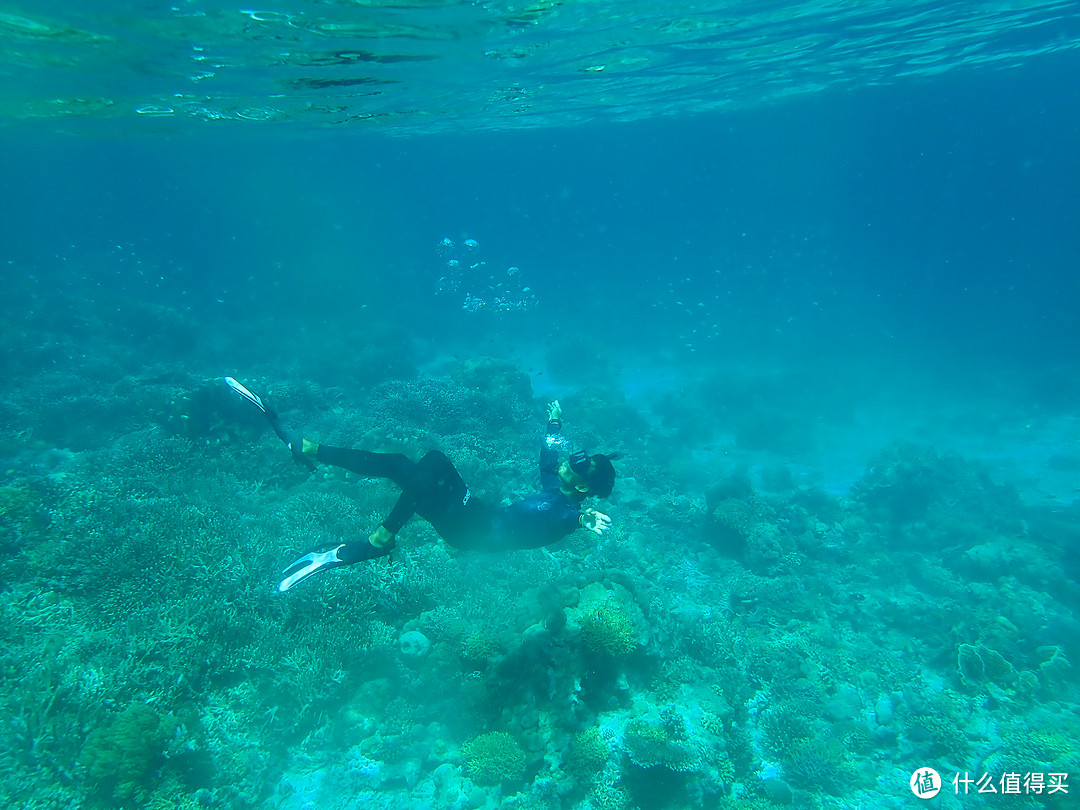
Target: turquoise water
[[810, 267], [424, 66]]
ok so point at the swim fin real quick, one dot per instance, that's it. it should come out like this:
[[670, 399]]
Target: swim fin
[[310, 563], [243, 391], [292, 440]]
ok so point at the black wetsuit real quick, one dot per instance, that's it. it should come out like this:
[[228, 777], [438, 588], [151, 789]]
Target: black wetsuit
[[433, 489]]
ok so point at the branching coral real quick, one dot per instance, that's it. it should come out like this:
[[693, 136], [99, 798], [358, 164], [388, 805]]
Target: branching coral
[[480, 645], [587, 753], [942, 733], [819, 765], [444, 624], [731, 523], [492, 758], [608, 630], [784, 727], [120, 755], [506, 390], [608, 797], [665, 744], [746, 528], [22, 513]]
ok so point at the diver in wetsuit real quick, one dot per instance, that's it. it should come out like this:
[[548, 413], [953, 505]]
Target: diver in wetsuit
[[433, 489]]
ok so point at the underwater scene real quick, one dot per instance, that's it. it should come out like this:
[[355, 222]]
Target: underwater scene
[[551, 405]]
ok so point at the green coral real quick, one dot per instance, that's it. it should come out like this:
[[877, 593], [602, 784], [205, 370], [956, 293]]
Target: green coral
[[980, 664], [820, 765], [1048, 749], [673, 675], [944, 734], [587, 753], [746, 529], [608, 630], [609, 797], [731, 524], [746, 803], [480, 645], [785, 725], [444, 624], [499, 380], [120, 756], [1026, 748], [998, 668], [22, 513], [665, 743], [492, 758], [1055, 670]]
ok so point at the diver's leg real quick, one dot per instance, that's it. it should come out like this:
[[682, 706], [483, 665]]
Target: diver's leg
[[437, 486], [394, 466], [444, 500], [345, 554], [431, 488], [381, 541]]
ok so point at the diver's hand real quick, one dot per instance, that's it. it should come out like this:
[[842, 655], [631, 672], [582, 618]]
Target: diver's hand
[[554, 411], [596, 522]]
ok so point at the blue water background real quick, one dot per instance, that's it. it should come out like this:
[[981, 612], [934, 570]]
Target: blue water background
[[835, 272], [933, 223]]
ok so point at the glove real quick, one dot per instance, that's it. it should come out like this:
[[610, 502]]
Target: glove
[[554, 411], [596, 522]]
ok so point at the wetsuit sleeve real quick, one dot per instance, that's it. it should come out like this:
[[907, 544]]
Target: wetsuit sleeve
[[549, 456], [540, 520]]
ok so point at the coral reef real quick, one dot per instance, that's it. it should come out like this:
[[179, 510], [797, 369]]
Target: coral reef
[[492, 758], [820, 765], [587, 753], [121, 755], [608, 629], [742, 638], [662, 743], [746, 528]]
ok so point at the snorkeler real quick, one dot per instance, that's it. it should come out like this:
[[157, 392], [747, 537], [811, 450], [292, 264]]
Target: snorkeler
[[433, 489]]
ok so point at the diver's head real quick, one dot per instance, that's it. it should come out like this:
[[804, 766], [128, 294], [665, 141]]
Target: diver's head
[[584, 475]]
